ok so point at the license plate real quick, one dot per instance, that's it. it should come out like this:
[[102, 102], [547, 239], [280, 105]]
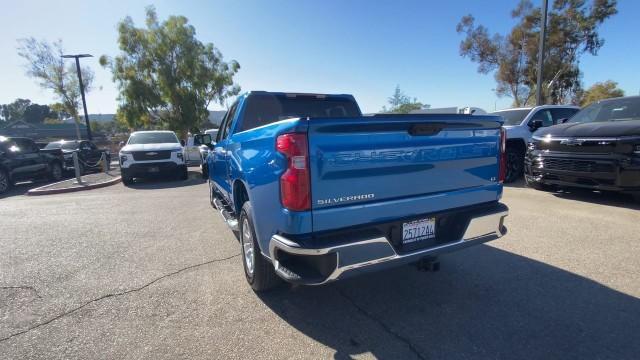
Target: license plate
[[418, 230], [154, 169]]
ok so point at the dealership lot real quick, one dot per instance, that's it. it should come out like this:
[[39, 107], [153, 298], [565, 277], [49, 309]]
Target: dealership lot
[[151, 271]]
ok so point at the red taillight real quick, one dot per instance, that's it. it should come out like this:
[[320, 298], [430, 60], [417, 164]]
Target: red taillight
[[503, 155], [295, 191]]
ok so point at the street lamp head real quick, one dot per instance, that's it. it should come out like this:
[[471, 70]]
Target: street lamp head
[[76, 56]]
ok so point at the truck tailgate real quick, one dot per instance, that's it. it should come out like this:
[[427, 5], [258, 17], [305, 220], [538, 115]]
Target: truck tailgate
[[377, 168]]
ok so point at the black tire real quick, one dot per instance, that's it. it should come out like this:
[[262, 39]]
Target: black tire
[[515, 164], [55, 171], [5, 181], [126, 178], [260, 274], [205, 171]]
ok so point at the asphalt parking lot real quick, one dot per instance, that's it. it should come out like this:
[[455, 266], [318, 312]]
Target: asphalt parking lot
[[150, 271]]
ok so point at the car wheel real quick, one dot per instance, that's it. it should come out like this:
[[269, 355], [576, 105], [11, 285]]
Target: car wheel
[[258, 271], [126, 178], [55, 171], [515, 164], [5, 182]]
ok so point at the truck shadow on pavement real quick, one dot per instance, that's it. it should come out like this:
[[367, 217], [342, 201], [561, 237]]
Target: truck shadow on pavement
[[485, 303], [597, 197], [167, 182]]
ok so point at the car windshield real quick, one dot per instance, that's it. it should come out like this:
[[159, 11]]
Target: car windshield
[[512, 117], [610, 110], [67, 145], [153, 138]]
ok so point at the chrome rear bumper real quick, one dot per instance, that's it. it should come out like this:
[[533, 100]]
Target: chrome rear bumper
[[376, 253]]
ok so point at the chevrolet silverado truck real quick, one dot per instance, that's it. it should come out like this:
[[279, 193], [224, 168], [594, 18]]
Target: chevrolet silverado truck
[[317, 192], [22, 160], [521, 123], [598, 148]]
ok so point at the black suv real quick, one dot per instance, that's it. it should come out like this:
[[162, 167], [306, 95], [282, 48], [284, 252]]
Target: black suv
[[598, 148], [89, 155], [21, 160]]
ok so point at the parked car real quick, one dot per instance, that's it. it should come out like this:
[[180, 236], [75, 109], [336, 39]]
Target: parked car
[[89, 155], [598, 148], [319, 192], [520, 124], [207, 145], [151, 153], [192, 151], [22, 160]]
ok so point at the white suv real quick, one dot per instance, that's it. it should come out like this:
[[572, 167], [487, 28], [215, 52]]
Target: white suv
[[150, 153], [520, 123]]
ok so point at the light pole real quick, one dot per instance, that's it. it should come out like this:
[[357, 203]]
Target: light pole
[[543, 29], [84, 103]]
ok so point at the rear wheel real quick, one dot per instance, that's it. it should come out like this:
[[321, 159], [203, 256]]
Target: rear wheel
[[258, 271], [55, 171], [5, 182], [515, 164]]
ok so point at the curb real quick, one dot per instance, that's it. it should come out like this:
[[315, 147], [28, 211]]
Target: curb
[[43, 191]]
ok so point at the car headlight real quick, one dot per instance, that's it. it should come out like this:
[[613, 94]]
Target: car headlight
[[180, 155]]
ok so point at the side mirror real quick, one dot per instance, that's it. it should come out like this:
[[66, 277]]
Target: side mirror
[[182, 142], [535, 125], [564, 120]]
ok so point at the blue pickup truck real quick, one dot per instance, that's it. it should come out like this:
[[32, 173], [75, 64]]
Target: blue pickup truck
[[318, 192]]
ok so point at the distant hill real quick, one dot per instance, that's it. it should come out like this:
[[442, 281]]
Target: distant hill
[[215, 117]]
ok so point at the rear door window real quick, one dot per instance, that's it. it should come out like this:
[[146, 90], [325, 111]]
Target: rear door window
[[229, 120], [544, 115], [263, 109], [562, 113]]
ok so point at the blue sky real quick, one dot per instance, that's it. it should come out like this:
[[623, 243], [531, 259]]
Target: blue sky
[[360, 47]]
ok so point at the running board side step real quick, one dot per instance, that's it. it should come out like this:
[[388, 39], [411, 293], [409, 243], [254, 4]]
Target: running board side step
[[227, 216]]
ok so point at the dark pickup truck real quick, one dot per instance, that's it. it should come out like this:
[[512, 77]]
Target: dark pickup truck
[[89, 155], [598, 148], [22, 160]]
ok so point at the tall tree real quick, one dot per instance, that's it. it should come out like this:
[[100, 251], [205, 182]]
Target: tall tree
[[46, 65], [600, 91], [166, 76], [572, 31], [401, 103], [15, 110]]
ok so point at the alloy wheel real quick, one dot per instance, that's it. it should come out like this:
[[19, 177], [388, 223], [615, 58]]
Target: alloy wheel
[[247, 246]]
